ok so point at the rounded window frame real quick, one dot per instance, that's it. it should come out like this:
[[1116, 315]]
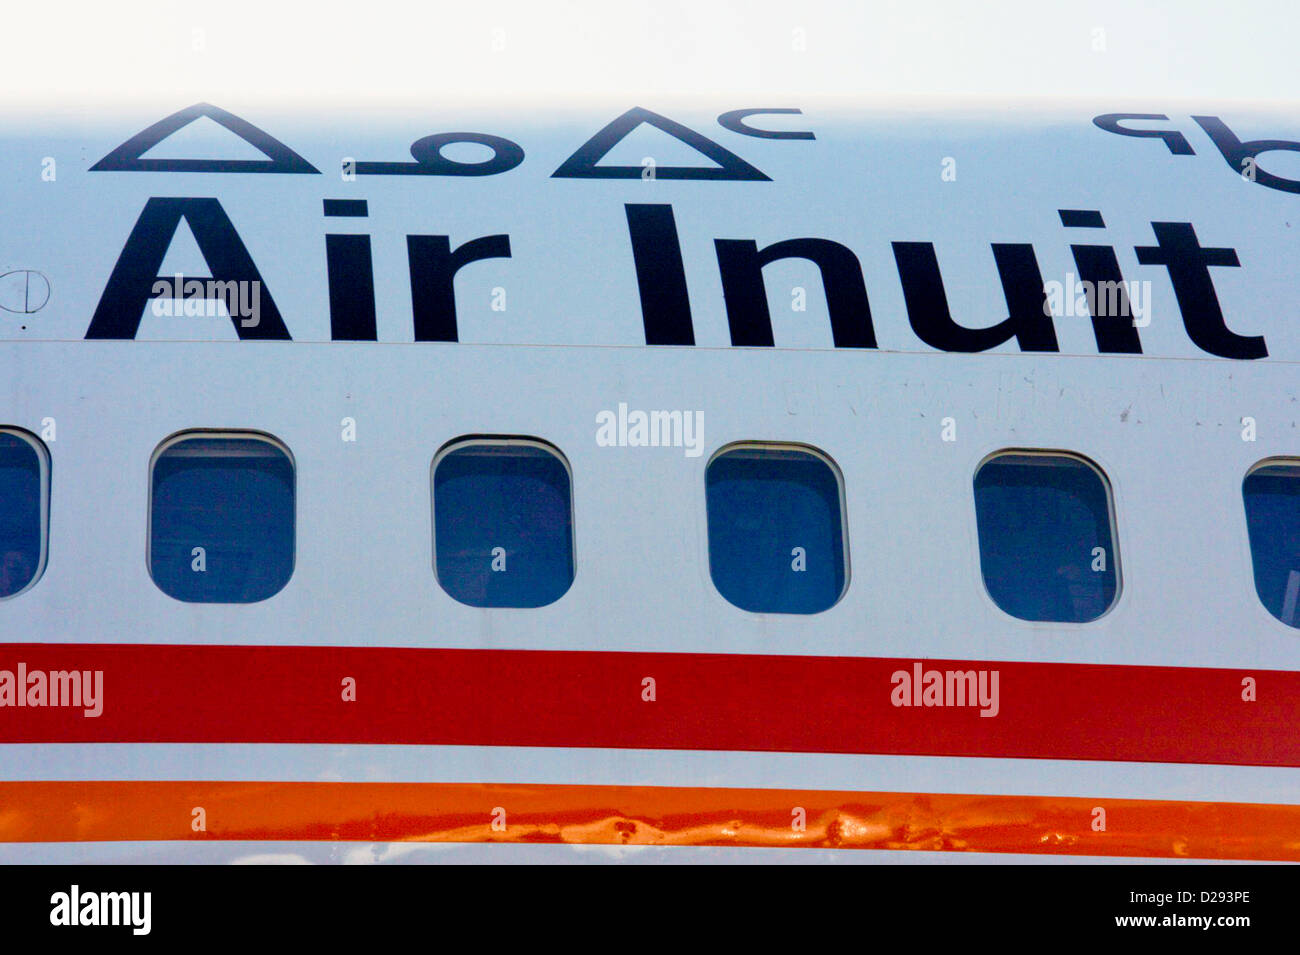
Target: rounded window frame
[[499, 441], [759, 445], [1112, 517], [46, 479], [218, 434], [1274, 459]]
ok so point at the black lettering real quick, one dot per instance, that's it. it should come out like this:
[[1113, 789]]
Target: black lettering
[[741, 264], [735, 121], [347, 208], [1238, 153], [1081, 218], [433, 267], [130, 287], [1115, 334], [351, 287], [1180, 252], [660, 275], [1022, 286], [1176, 141], [583, 163], [429, 160], [351, 276], [127, 157]]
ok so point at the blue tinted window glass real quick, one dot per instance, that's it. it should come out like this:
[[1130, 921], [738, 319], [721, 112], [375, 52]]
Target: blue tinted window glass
[[776, 538], [21, 536], [233, 498], [1272, 495], [1045, 537], [503, 527]]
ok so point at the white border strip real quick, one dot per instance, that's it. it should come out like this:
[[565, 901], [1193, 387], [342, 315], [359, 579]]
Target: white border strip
[[540, 765]]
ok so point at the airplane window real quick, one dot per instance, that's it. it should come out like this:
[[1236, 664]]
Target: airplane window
[[503, 523], [1272, 494], [776, 529], [24, 492], [221, 518], [1046, 536]]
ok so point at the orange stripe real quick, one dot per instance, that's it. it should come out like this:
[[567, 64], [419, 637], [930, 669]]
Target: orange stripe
[[93, 811]]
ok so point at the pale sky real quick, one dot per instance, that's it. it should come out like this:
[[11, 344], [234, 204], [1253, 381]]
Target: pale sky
[[84, 53]]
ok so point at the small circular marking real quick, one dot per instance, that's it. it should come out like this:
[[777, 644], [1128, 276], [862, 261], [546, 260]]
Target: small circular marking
[[24, 291]]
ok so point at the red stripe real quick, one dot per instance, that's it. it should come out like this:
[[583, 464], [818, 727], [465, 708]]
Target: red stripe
[[270, 694]]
